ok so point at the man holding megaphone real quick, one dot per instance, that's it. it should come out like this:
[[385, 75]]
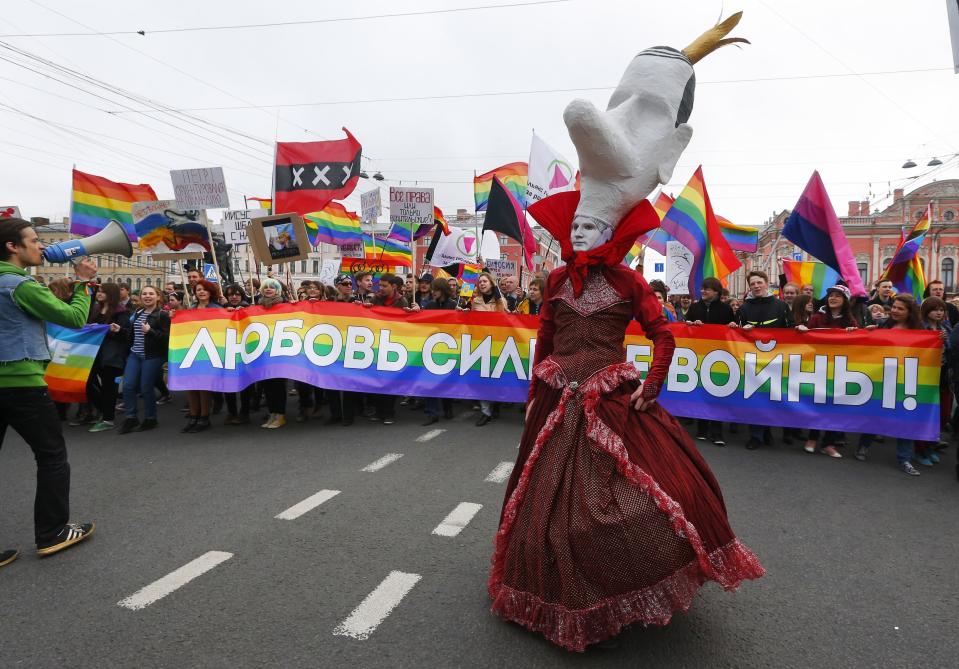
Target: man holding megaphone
[[25, 404]]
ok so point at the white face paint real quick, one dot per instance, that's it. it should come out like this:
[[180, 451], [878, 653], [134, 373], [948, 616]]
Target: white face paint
[[588, 233]]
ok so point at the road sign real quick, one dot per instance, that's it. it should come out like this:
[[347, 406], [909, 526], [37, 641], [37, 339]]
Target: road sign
[[209, 273]]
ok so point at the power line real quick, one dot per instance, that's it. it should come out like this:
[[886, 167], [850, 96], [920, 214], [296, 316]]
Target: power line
[[544, 91], [283, 24]]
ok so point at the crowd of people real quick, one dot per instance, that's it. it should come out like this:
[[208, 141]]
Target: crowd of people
[[134, 350]]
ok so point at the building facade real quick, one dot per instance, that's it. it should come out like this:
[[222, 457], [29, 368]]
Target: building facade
[[874, 236]]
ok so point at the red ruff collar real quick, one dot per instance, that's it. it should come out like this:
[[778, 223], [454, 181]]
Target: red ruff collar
[[555, 213]]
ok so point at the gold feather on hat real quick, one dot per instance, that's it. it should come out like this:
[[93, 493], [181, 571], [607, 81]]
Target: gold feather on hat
[[712, 39]]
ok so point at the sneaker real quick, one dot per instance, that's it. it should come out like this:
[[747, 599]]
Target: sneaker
[[269, 420], [861, 453], [389, 421], [430, 420], [404, 401], [190, 424], [101, 426], [72, 533], [129, 425], [165, 399], [752, 444], [701, 436], [932, 455], [924, 460], [483, 420], [85, 419], [719, 441], [810, 446], [8, 556], [279, 420], [909, 469], [147, 424], [830, 451]]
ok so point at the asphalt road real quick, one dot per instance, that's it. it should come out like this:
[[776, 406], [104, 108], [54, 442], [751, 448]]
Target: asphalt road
[[861, 559]]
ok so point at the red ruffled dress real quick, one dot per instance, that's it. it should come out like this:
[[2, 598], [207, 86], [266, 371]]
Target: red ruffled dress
[[612, 516]]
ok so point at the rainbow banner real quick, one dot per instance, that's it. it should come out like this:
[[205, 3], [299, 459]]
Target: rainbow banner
[[376, 268], [96, 201], [880, 381], [819, 275], [72, 352], [513, 176]]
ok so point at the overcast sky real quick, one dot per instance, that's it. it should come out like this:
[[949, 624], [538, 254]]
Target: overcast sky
[[757, 139]]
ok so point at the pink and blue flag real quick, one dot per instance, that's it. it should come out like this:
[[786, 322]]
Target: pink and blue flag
[[814, 227]]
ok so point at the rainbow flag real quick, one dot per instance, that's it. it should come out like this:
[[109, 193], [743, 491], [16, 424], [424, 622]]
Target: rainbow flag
[[97, 201], [514, 177], [333, 225], [401, 231], [72, 352], [468, 276], [353, 265], [691, 221], [394, 253], [905, 270], [635, 252], [739, 237], [487, 356], [439, 219], [820, 275], [263, 202]]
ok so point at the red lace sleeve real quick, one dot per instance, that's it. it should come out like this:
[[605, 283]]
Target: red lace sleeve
[[649, 312], [544, 337]]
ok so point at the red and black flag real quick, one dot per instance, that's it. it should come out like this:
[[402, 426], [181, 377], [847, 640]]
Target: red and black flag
[[310, 175], [504, 214]]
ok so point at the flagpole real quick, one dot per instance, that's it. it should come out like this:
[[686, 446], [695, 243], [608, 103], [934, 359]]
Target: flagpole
[[413, 252]]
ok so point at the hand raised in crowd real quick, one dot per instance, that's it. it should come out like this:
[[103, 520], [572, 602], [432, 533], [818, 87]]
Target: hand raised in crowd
[[114, 327], [86, 269]]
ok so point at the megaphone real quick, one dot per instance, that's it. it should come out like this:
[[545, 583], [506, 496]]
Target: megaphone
[[112, 239]]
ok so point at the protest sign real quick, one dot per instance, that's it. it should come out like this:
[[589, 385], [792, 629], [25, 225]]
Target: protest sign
[[10, 211], [411, 205], [371, 206], [882, 381], [353, 250], [201, 188], [163, 228], [236, 221], [501, 268], [278, 239], [374, 267], [679, 263], [328, 271]]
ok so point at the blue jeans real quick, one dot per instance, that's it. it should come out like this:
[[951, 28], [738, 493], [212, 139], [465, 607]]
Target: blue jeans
[[140, 377], [905, 448]]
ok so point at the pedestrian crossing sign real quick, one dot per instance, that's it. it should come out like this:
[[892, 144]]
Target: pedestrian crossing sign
[[209, 273]]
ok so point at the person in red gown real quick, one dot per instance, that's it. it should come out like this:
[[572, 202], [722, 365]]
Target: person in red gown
[[612, 516]]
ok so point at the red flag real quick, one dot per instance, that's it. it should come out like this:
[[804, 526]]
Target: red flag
[[310, 175]]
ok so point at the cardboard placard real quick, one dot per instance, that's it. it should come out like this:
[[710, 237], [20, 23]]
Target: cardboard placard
[[278, 239]]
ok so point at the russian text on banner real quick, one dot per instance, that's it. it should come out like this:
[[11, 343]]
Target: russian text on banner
[[883, 382]]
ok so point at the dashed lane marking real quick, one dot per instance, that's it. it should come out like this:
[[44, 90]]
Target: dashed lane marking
[[307, 504], [377, 606], [432, 434], [459, 518], [500, 473], [382, 462], [174, 580]]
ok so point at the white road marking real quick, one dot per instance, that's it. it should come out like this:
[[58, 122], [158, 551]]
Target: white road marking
[[378, 604], [382, 462], [307, 504], [174, 580], [500, 473], [432, 434], [459, 518]]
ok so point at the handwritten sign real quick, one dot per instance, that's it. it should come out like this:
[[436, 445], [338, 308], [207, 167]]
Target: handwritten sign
[[235, 222], [371, 206], [201, 188], [411, 205]]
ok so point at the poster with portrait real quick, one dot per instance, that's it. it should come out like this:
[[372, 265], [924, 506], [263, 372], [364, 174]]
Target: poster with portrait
[[278, 239]]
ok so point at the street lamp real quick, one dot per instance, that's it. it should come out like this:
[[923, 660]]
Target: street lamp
[[379, 176], [909, 164], [935, 162]]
